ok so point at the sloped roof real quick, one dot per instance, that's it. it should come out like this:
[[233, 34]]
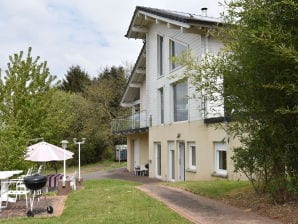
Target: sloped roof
[[132, 94], [186, 20]]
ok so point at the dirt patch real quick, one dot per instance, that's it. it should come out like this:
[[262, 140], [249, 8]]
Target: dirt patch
[[262, 205], [18, 209]]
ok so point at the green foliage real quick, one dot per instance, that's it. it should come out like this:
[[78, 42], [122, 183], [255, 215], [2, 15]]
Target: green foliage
[[104, 95], [76, 80], [259, 69], [29, 108], [92, 112]]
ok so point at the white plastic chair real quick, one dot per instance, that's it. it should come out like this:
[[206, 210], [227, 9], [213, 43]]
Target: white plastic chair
[[14, 192], [72, 180], [39, 169], [144, 170], [19, 181]]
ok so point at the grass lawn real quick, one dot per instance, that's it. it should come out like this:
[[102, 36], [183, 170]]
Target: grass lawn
[[241, 194], [212, 189], [99, 166], [109, 201]]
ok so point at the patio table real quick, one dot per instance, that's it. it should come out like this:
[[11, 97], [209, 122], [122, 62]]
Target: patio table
[[4, 176]]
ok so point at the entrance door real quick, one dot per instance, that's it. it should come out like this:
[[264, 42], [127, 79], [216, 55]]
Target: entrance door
[[181, 161], [158, 159], [136, 153], [171, 161]]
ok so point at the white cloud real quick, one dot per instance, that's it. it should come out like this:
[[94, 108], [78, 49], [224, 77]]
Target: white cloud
[[89, 33]]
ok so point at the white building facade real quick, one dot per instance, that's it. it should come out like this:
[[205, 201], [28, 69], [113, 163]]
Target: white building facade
[[171, 127]]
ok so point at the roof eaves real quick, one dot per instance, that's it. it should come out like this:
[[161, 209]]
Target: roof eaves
[[179, 18], [133, 72]]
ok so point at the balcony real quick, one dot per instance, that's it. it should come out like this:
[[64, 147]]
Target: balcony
[[136, 123]]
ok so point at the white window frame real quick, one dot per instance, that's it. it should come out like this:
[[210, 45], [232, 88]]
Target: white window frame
[[160, 55], [156, 144], [174, 66], [190, 157], [220, 147], [174, 102], [161, 105], [171, 159]]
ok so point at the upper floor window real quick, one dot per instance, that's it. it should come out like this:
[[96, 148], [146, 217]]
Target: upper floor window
[[180, 101], [176, 49], [161, 101], [159, 55]]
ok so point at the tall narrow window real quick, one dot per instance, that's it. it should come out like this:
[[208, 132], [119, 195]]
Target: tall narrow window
[[158, 159], [180, 101], [161, 100], [160, 55], [221, 158], [176, 49], [171, 161], [192, 156]]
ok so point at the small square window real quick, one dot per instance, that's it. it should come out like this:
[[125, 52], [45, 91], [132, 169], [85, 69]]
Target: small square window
[[221, 158]]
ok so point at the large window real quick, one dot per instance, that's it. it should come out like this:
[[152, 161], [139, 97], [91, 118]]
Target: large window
[[221, 158], [180, 101], [192, 158], [176, 49], [161, 100], [160, 55]]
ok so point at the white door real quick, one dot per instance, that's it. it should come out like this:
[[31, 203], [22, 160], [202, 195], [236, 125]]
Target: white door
[[136, 153], [158, 159], [181, 161], [171, 161]]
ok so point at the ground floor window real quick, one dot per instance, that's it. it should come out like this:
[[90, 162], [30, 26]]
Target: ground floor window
[[192, 156], [158, 159], [221, 158]]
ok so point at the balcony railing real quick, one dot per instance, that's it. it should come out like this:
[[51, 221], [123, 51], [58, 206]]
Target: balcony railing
[[132, 123]]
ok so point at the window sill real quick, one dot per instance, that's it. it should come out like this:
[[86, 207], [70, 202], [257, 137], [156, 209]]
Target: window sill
[[214, 174], [191, 170]]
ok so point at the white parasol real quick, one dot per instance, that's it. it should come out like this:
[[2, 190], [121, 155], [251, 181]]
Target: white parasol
[[44, 152]]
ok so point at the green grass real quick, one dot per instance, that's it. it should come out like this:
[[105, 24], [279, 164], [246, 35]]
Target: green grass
[[99, 166], [212, 189], [109, 201]]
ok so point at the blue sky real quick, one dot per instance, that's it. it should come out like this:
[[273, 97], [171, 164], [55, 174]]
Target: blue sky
[[88, 33]]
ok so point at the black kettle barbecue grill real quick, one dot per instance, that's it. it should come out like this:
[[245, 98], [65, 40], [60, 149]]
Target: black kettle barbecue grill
[[35, 183]]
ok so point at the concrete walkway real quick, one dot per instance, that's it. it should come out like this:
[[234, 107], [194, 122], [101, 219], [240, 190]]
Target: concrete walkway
[[193, 207]]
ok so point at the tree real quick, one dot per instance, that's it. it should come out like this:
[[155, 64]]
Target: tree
[[76, 80], [104, 95], [29, 108], [258, 67]]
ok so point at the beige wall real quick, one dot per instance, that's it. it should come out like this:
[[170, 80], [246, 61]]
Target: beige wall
[[202, 136], [144, 154]]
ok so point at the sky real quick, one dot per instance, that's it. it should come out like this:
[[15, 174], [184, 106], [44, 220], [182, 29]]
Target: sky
[[87, 33]]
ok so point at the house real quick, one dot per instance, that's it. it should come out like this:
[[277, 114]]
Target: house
[[171, 131]]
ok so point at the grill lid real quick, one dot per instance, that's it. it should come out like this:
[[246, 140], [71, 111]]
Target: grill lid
[[35, 182]]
